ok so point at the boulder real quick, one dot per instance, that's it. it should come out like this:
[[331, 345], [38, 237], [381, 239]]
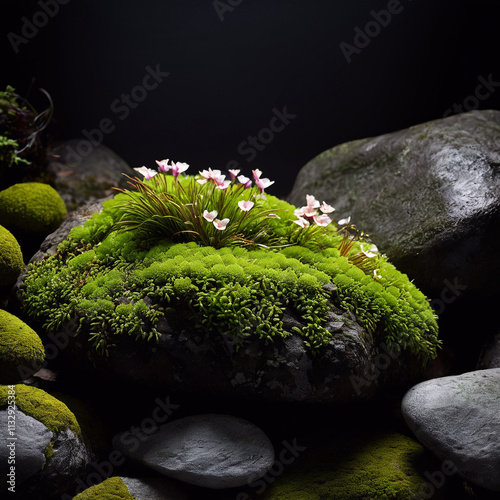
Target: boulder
[[11, 258], [210, 450], [427, 195], [45, 439], [458, 419], [21, 349], [490, 355], [84, 174]]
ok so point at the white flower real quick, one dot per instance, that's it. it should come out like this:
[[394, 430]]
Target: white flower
[[344, 222], [302, 222], [312, 202], [163, 165], [376, 274], [326, 209], [245, 205], [148, 173], [369, 251], [221, 224], [233, 172], [209, 216], [322, 220]]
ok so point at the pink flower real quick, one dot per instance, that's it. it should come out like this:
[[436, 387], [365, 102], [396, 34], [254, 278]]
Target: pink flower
[[309, 212], [326, 209], [261, 183], [245, 181], [299, 212], [178, 168], [220, 224], [214, 175], [302, 222], [312, 202], [210, 216], [148, 173], [163, 165], [322, 220], [234, 173], [245, 205], [222, 184]]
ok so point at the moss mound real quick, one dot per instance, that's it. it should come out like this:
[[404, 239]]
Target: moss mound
[[11, 258], [116, 284], [21, 350], [382, 467], [43, 407], [31, 207], [111, 489]]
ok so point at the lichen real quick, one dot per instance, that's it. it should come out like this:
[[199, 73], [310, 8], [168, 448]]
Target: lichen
[[31, 207], [114, 284], [383, 466], [112, 488], [21, 350], [11, 258]]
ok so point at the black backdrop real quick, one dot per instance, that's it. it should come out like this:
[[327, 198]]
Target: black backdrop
[[329, 71]]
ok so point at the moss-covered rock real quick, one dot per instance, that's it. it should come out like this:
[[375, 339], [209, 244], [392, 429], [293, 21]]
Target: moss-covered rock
[[382, 467], [111, 489], [11, 258], [31, 207], [21, 350]]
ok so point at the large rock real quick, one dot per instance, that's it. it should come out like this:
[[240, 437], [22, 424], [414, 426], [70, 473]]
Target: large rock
[[211, 450], [458, 418], [355, 365], [428, 195], [45, 441]]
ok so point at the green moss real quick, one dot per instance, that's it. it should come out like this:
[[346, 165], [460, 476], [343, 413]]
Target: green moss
[[100, 278], [111, 489], [43, 407], [21, 350], [31, 207], [11, 258], [382, 467]]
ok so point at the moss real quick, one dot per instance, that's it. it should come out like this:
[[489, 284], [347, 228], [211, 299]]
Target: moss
[[115, 285], [21, 350], [384, 466], [11, 258], [43, 407], [110, 489], [31, 207]]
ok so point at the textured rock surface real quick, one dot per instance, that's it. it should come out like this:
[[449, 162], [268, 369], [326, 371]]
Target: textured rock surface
[[211, 450], [458, 418], [428, 195], [154, 488], [490, 356], [85, 173]]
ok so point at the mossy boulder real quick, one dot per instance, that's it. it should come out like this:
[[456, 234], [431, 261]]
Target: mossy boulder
[[11, 258], [112, 488], [50, 449], [31, 207], [387, 466], [21, 350], [294, 324]]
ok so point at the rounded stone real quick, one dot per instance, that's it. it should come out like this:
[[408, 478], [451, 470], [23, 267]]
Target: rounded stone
[[11, 258]]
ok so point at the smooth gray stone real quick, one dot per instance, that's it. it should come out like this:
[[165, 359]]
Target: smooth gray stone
[[154, 488], [458, 419], [210, 450], [32, 439]]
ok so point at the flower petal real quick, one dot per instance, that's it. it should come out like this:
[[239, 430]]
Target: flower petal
[[245, 205], [220, 224], [210, 216], [148, 173]]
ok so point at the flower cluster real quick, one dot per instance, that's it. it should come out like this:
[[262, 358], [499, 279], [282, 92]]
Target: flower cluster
[[309, 213], [207, 207]]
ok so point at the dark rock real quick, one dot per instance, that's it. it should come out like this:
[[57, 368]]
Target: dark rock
[[490, 355], [458, 419], [213, 451], [428, 196], [154, 488], [80, 178]]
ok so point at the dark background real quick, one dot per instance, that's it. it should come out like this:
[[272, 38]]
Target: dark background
[[229, 70]]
